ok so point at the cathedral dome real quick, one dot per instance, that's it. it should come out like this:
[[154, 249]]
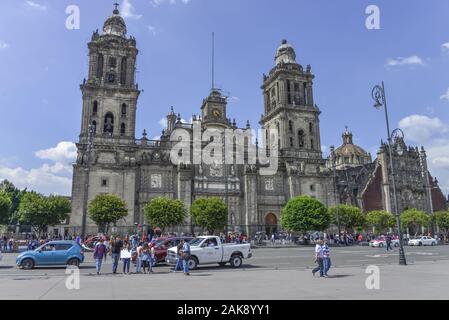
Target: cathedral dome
[[115, 25], [349, 154], [285, 53]]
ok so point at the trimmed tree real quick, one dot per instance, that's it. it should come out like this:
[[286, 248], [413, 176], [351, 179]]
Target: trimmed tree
[[303, 214], [380, 220], [349, 217], [15, 195], [165, 213], [441, 218], [5, 206], [414, 219], [209, 213], [106, 209], [40, 211]]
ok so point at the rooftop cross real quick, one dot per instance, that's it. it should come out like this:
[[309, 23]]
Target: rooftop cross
[[116, 8]]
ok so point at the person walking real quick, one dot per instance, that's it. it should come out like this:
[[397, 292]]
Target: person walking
[[125, 255], [319, 259], [139, 252], [107, 243], [388, 241], [146, 258], [116, 248], [100, 251], [326, 259], [178, 265], [185, 257]]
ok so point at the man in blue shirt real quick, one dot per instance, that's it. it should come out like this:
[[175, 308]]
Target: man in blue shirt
[[185, 256]]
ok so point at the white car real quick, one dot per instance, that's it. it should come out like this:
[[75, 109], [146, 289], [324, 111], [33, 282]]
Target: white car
[[423, 241], [382, 242], [210, 250]]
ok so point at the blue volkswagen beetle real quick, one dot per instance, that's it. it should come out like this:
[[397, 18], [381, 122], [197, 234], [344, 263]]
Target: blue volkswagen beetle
[[53, 253]]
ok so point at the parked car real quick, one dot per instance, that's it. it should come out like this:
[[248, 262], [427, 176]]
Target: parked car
[[422, 241], [92, 240], [163, 244], [52, 253], [382, 242], [210, 250]]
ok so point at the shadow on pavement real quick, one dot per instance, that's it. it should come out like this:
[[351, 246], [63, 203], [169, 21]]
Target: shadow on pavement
[[337, 276], [6, 267]]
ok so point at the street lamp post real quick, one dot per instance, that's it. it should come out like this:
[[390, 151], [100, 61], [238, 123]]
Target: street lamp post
[[334, 175], [90, 138], [378, 95], [225, 174]]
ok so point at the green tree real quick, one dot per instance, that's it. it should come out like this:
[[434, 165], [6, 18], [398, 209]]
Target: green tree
[[414, 219], [303, 213], [106, 209], [349, 217], [15, 195], [380, 220], [164, 212], [441, 218], [209, 213], [40, 212], [5, 206]]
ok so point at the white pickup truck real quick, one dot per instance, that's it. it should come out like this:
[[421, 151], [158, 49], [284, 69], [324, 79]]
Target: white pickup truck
[[210, 250]]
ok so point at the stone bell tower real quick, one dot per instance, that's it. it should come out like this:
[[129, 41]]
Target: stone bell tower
[[289, 105], [110, 97], [110, 93]]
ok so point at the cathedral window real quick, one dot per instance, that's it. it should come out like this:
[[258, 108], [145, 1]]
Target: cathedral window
[[311, 144], [301, 139], [94, 125], [112, 62], [111, 78], [95, 108], [289, 98], [124, 69], [109, 123], [122, 130], [124, 110], [291, 142], [290, 125], [104, 182], [310, 127], [100, 66], [312, 187], [305, 93]]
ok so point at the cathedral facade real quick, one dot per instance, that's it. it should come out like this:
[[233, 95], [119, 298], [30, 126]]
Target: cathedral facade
[[112, 160]]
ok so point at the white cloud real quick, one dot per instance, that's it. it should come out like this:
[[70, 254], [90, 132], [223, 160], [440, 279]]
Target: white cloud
[[64, 151], [153, 30], [35, 6], [433, 134], [3, 45], [50, 178], [445, 46], [128, 11], [412, 60], [163, 122], [445, 96], [157, 3]]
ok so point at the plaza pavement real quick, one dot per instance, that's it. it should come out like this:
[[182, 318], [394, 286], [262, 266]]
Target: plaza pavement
[[426, 277]]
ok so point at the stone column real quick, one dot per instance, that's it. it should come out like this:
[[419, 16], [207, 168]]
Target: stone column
[[250, 202]]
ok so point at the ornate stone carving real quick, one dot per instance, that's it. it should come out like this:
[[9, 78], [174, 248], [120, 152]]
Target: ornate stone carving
[[156, 181], [216, 170], [269, 184]]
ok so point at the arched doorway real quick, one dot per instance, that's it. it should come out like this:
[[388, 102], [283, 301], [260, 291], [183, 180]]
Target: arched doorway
[[271, 224]]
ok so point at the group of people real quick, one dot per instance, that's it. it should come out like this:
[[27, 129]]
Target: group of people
[[142, 253], [322, 258]]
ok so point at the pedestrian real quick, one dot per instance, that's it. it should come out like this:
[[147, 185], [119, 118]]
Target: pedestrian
[[146, 259], [116, 248], [139, 252], [178, 265], [319, 259], [78, 239], [5, 243], [326, 259], [11, 244], [125, 256], [185, 257], [100, 251], [388, 241], [272, 239], [107, 243]]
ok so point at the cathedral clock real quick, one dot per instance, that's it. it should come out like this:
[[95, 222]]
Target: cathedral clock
[[216, 113]]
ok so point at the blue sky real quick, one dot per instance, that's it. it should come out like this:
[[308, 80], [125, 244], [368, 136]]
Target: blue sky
[[42, 64]]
